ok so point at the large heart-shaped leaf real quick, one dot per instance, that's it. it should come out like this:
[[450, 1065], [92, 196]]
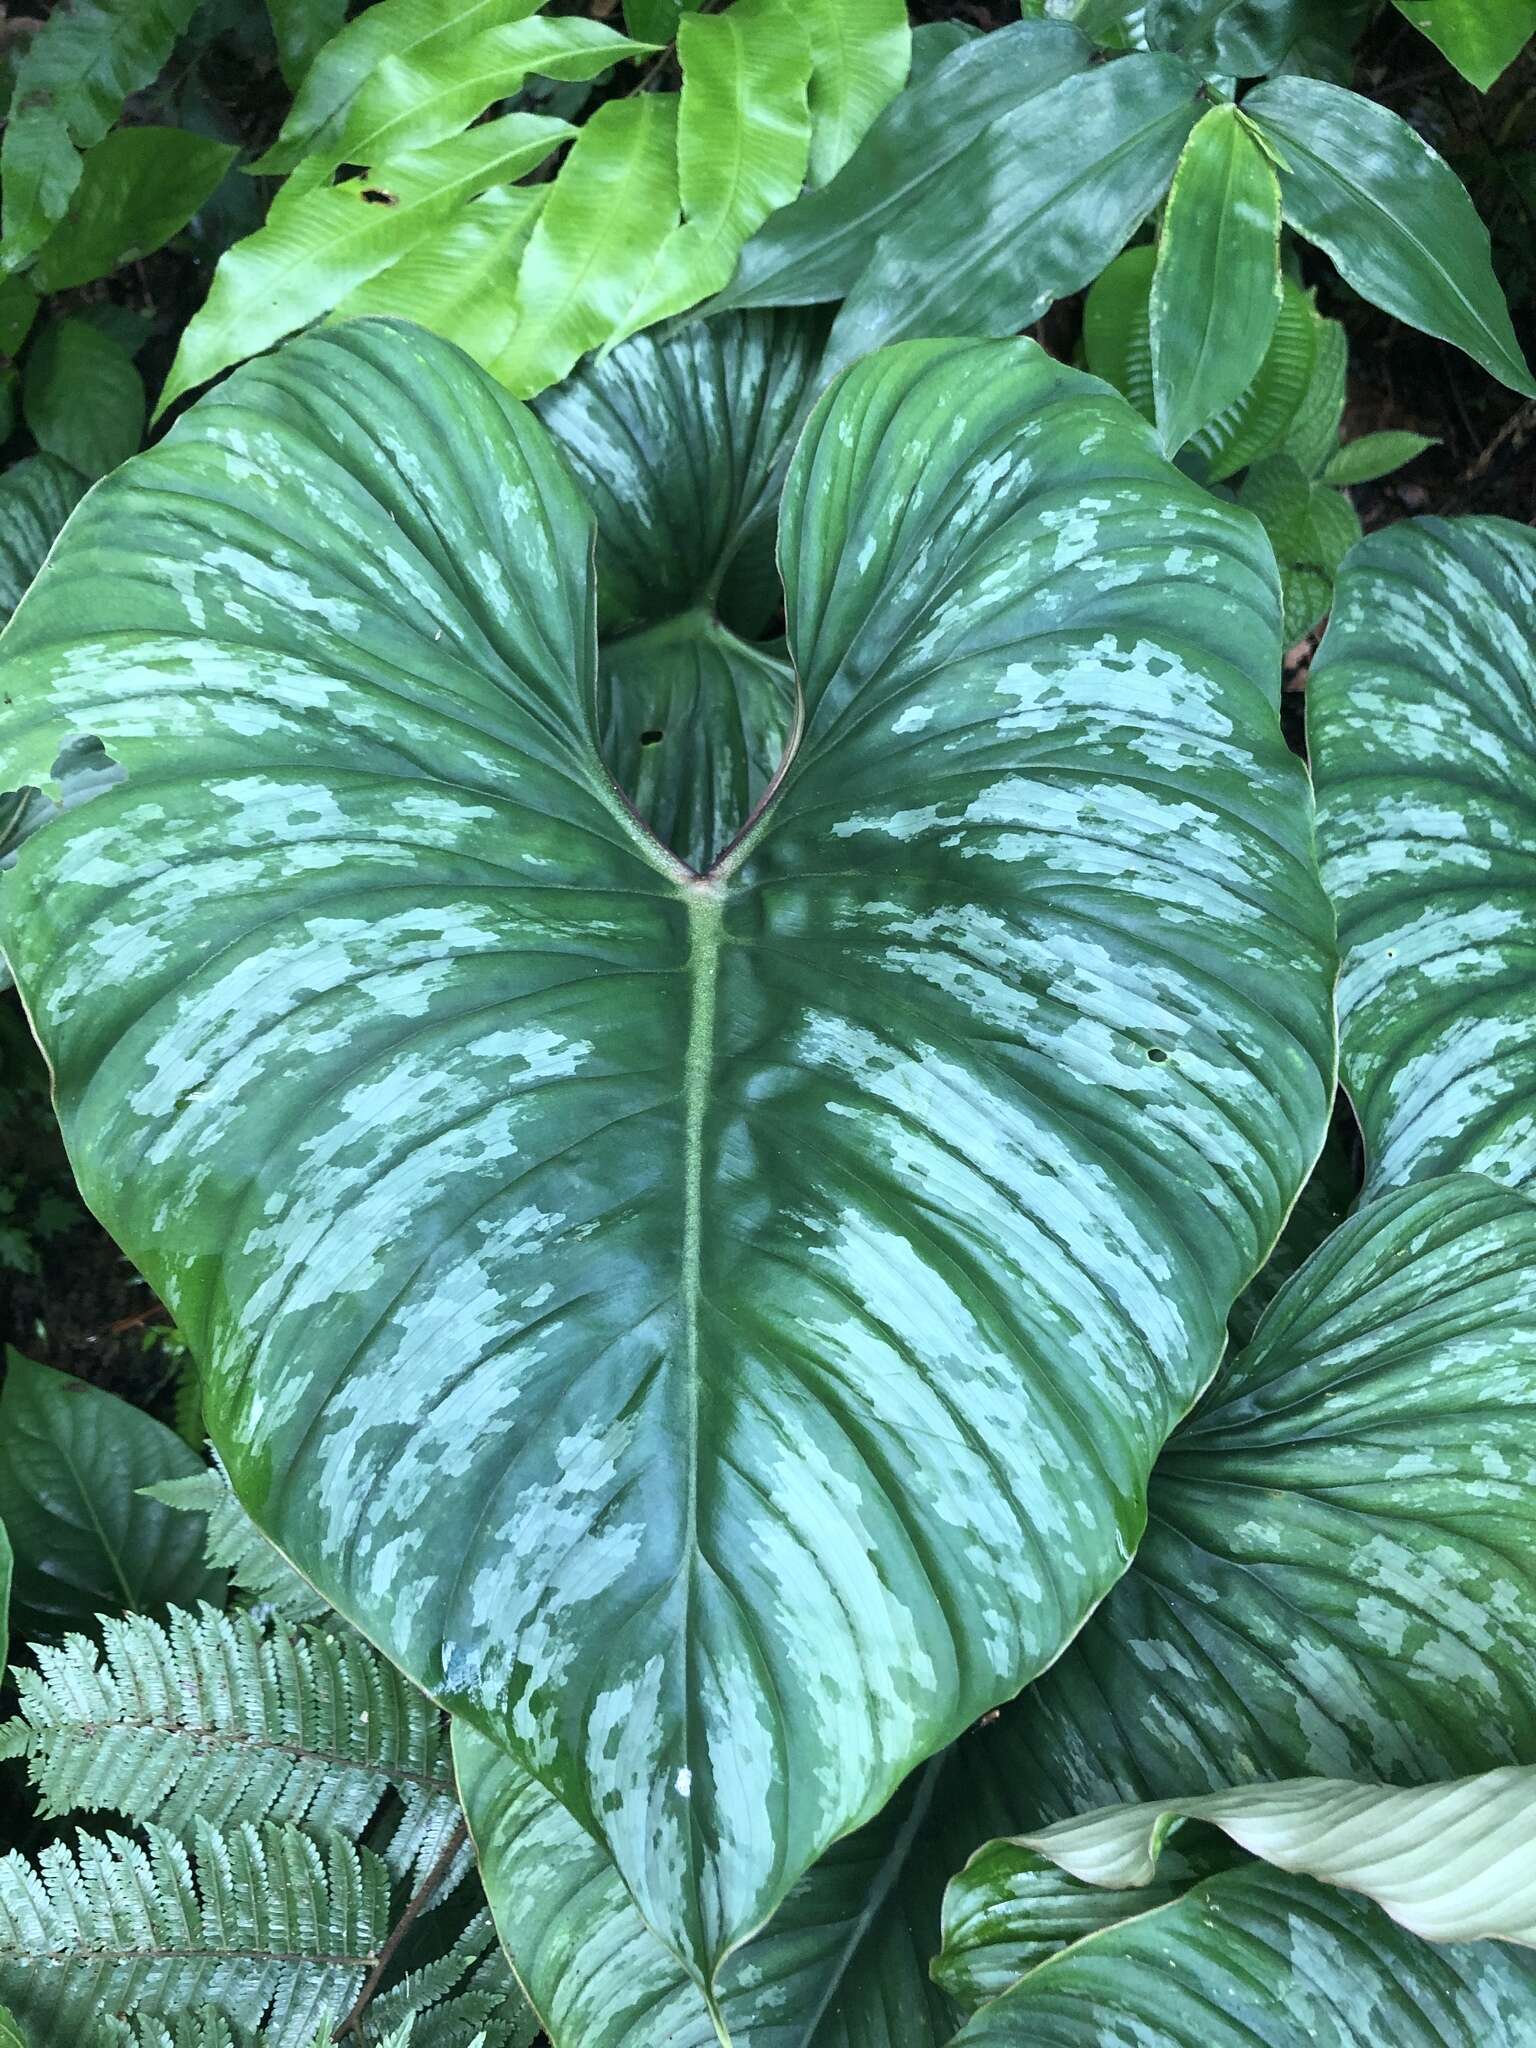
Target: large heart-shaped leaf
[[1337, 1573], [613, 1283], [1422, 720]]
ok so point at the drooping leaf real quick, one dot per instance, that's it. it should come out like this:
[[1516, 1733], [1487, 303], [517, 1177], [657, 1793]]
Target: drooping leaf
[[1048, 196], [1216, 289], [322, 244], [1336, 1576], [1373, 456], [72, 1458], [816, 249], [302, 29], [1287, 401], [460, 282], [1482, 38], [1422, 711], [1250, 38], [596, 242], [861, 51], [138, 187], [1251, 1954], [71, 82], [696, 1365], [744, 132], [37, 495], [83, 398], [1392, 214], [412, 103], [390, 31]]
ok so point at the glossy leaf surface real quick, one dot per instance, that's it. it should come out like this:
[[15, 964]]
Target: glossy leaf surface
[[1336, 1575], [1049, 195], [743, 143], [71, 82], [923, 146], [82, 398], [1254, 1955], [1372, 193], [1246, 38], [1482, 38], [71, 1460], [1216, 289], [1423, 731], [432, 1053], [37, 495], [319, 245], [861, 50]]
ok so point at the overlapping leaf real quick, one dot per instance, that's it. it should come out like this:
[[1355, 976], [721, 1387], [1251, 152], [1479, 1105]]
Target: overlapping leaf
[[138, 187], [1336, 1574], [542, 1212], [1482, 38], [1423, 732]]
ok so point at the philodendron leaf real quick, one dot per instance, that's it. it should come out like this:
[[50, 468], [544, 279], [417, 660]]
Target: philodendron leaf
[[925, 142], [1393, 215], [1482, 38], [139, 186], [72, 1458], [861, 50], [71, 82], [743, 142], [1049, 194], [1216, 289], [37, 495], [1422, 714], [1336, 1577], [1320, 1943], [541, 1211], [322, 243]]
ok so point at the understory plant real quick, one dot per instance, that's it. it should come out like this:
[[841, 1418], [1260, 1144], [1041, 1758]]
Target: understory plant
[[703, 977]]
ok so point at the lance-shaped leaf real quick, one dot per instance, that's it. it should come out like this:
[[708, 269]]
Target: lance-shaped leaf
[[1393, 215], [321, 243], [77, 70], [1216, 289], [1336, 1575], [1050, 194], [613, 1283], [391, 31], [743, 142], [1423, 735], [1482, 38], [816, 249], [1293, 1950], [862, 50]]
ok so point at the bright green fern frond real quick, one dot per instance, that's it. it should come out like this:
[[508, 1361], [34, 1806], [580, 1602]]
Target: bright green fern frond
[[259, 1925], [236, 1545], [227, 1719], [468, 1993]]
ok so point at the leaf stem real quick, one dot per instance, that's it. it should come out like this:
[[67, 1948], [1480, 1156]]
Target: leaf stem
[[353, 2023]]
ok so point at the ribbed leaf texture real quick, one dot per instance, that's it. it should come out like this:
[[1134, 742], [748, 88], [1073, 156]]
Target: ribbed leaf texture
[[234, 1544], [222, 1718], [259, 1925]]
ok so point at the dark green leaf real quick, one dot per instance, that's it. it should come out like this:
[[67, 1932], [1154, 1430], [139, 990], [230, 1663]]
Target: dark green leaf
[[566, 1392], [83, 398], [303, 28], [1250, 38], [1050, 193], [85, 60], [1422, 711], [1337, 1575], [18, 309], [72, 1459], [36, 497], [923, 144], [1216, 289], [656, 21], [1393, 216], [138, 187]]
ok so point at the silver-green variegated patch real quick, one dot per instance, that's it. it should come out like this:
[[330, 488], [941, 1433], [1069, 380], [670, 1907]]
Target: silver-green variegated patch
[[712, 1329], [1422, 719]]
